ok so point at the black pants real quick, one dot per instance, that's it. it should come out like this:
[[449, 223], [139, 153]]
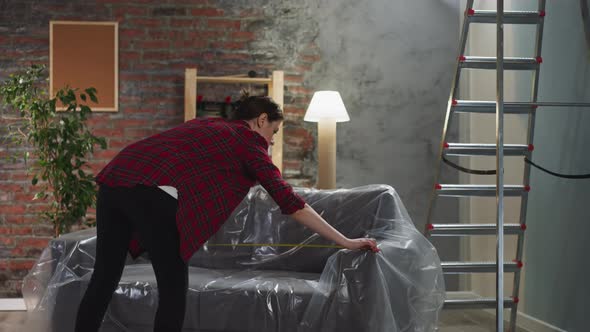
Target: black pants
[[152, 213]]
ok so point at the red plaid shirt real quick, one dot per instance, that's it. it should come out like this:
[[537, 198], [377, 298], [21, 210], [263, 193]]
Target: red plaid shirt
[[212, 163]]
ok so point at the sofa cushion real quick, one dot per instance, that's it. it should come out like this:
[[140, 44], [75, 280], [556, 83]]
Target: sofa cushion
[[254, 300]]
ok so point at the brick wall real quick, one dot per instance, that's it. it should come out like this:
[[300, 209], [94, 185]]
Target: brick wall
[[156, 42]]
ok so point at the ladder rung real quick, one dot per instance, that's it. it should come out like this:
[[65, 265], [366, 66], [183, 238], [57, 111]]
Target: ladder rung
[[510, 63], [510, 17], [482, 303], [468, 106], [472, 229], [459, 190], [478, 267], [469, 149]]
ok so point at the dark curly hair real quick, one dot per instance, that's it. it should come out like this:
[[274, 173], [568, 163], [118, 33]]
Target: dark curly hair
[[250, 107]]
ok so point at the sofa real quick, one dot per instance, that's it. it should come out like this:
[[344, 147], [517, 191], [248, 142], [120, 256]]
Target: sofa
[[264, 272]]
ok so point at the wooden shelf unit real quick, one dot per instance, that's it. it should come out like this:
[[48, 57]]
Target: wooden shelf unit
[[275, 91]]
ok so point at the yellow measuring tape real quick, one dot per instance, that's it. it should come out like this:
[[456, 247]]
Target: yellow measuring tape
[[274, 245]]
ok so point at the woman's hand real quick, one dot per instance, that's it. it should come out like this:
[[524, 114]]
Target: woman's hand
[[362, 243]]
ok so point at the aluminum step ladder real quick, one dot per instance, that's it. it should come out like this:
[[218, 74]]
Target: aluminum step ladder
[[500, 150]]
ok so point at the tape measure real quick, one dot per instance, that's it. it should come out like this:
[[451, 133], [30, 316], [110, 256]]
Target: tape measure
[[275, 245]]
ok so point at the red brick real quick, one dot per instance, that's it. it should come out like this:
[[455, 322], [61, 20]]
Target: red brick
[[24, 197], [184, 23], [17, 252], [131, 33], [299, 90], [6, 241], [145, 22], [106, 154], [25, 230], [192, 43], [295, 111], [30, 41], [310, 58], [167, 35], [229, 46], [34, 242], [129, 56], [128, 123], [134, 76], [24, 264], [107, 132], [224, 24], [43, 230], [11, 188], [134, 100], [153, 44], [292, 164], [159, 89], [36, 208], [12, 209], [125, 44], [205, 35], [207, 12], [14, 219], [129, 11], [131, 110], [294, 78], [234, 56], [157, 55], [139, 133]]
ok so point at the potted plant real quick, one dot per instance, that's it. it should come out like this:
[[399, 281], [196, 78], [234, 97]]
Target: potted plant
[[61, 142]]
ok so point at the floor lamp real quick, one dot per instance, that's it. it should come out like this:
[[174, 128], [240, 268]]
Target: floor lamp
[[326, 108]]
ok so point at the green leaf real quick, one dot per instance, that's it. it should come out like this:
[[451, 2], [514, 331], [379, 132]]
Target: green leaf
[[61, 141]]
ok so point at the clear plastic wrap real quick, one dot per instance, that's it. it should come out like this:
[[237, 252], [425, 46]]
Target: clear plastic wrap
[[265, 287]]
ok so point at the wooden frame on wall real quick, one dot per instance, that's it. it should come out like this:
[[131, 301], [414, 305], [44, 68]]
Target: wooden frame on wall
[[275, 91], [84, 55]]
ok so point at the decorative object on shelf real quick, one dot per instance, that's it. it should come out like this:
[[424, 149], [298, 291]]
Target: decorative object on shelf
[[326, 108], [61, 142]]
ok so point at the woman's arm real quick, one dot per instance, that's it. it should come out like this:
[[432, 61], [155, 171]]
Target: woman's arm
[[309, 218]]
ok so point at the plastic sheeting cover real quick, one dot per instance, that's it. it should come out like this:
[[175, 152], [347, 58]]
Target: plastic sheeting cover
[[264, 287]]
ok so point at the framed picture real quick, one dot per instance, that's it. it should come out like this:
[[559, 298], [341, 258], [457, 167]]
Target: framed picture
[[84, 55]]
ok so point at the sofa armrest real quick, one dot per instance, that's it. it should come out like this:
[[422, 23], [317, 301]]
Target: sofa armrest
[[401, 288]]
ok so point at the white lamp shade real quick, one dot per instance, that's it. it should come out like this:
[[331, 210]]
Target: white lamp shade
[[326, 105]]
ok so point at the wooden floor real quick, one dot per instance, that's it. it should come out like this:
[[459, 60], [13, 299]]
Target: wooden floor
[[451, 321]]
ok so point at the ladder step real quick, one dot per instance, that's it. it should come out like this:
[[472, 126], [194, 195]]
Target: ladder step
[[472, 229], [460, 190], [510, 63], [478, 267], [469, 149], [468, 106], [510, 17], [481, 303]]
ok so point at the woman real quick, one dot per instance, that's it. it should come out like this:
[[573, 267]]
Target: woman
[[211, 164]]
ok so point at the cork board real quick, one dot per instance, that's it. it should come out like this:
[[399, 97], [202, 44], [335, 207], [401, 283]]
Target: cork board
[[83, 55]]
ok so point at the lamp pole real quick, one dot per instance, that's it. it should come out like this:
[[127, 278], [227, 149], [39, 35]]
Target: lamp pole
[[326, 154]]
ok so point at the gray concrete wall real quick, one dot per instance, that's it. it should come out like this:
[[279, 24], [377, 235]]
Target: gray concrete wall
[[392, 62]]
